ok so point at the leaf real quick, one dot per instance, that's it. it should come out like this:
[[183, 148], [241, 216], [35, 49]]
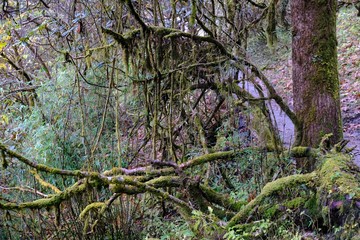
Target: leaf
[[2, 45]]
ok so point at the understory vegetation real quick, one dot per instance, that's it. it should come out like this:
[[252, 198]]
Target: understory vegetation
[[167, 120]]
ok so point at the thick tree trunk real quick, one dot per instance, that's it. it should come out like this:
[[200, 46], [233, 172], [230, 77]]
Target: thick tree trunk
[[315, 74]]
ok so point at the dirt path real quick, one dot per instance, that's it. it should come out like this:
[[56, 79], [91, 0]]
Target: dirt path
[[278, 68], [286, 127]]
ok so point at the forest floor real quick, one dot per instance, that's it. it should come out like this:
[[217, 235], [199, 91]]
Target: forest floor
[[277, 67]]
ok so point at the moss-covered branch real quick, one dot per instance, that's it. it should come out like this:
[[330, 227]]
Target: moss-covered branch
[[150, 171], [207, 158], [222, 200], [334, 188], [44, 183], [300, 152], [185, 208], [54, 200], [90, 207], [272, 188], [330, 195], [41, 167]]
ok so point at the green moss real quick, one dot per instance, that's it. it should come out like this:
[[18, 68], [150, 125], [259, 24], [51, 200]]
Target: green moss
[[312, 205], [271, 189], [312, 114], [132, 34], [272, 211], [165, 181], [286, 182], [90, 207], [305, 152], [221, 199], [54, 200], [262, 127], [193, 13], [336, 177], [295, 203], [271, 36]]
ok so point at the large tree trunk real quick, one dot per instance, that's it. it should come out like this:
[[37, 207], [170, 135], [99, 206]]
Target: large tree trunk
[[315, 74]]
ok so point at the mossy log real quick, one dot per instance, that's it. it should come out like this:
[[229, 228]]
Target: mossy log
[[328, 196]]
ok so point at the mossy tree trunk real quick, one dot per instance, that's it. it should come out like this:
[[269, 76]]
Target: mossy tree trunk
[[271, 36], [315, 74]]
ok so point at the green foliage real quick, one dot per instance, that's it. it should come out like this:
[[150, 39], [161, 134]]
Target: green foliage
[[206, 226], [95, 114], [167, 229], [255, 230], [264, 229]]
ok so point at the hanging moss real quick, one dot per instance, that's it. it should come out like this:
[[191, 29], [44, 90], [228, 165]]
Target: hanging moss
[[231, 9]]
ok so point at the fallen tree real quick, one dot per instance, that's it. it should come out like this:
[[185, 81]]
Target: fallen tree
[[327, 198]]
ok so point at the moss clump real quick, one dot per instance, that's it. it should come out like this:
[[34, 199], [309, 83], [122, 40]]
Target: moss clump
[[312, 206], [336, 178], [295, 203], [271, 212], [299, 152]]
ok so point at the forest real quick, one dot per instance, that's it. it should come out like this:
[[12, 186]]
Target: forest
[[180, 119]]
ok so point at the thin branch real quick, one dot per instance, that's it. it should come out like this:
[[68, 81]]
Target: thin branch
[[23, 189]]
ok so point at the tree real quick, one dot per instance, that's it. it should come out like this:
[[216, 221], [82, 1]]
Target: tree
[[154, 88], [315, 71]]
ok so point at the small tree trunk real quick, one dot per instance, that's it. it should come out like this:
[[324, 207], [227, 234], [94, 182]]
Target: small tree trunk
[[315, 74], [271, 35]]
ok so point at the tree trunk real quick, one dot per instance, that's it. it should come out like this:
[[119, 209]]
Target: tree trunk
[[315, 73]]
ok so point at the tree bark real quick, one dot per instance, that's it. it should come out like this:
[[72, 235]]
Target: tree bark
[[315, 73]]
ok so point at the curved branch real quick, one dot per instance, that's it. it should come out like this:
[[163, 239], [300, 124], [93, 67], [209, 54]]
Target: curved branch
[[42, 167], [270, 189]]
